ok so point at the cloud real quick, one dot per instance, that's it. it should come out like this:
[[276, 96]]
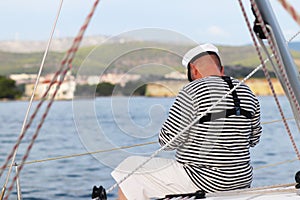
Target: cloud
[[217, 31]]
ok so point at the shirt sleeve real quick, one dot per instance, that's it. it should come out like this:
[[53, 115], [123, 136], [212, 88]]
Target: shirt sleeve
[[256, 127], [181, 115]]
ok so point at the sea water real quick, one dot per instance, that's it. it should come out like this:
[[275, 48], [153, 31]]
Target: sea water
[[73, 128]]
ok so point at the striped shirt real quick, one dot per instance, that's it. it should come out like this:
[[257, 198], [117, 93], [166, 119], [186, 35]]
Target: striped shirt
[[215, 154]]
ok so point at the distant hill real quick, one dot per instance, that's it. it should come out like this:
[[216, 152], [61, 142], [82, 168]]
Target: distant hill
[[57, 44], [111, 56]]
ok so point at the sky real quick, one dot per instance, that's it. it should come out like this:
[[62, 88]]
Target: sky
[[215, 21]]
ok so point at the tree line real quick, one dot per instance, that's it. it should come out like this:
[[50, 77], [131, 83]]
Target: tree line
[[135, 88], [9, 90]]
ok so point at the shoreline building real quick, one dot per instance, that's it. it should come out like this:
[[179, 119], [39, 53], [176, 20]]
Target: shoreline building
[[65, 92]]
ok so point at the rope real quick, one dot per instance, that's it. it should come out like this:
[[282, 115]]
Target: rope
[[290, 9], [280, 108], [34, 89], [197, 119], [283, 73], [65, 63], [30, 102], [184, 130], [277, 57], [267, 75]]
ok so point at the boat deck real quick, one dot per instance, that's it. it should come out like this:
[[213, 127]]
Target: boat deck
[[271, 193]]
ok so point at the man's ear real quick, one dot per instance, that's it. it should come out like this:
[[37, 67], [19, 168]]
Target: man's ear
[[189, 75], [195, 74], [193, 69], [222, 70]]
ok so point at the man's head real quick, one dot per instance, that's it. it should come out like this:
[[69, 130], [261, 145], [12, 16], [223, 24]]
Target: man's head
[[202, 61]]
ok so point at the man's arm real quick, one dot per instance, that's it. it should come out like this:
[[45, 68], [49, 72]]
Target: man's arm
[[180, 116], [256, 127]]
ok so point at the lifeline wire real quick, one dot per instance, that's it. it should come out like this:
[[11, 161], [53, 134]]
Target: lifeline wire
[[120, 148], [114, 149], [211, 108]]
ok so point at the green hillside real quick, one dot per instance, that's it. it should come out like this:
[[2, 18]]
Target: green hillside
[[120, 58], [27, 62]]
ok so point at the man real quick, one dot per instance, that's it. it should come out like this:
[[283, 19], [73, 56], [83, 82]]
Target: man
[[211, 154]]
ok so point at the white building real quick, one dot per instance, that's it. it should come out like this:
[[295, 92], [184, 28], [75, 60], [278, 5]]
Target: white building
[[121, 79], [65, 92], [23, 78], [175, 75]]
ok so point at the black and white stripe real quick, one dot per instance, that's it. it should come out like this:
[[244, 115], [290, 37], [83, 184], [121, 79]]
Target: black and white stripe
[[215, 154]]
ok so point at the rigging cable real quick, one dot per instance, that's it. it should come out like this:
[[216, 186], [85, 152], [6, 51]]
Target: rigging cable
[[195, 121], [32, 96], [68, 61], [278, 59], [64, 68], [179, 134], [278, 103], [282, 71], [166, 145], [290, 9], [267, 75]]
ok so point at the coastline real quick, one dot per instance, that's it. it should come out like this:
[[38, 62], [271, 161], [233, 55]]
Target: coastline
[[260, 87]]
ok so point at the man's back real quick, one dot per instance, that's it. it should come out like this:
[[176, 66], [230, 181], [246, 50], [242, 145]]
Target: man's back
[[214, 153]]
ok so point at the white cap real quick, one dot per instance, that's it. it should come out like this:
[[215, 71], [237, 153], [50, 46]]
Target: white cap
[[209, 48]]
